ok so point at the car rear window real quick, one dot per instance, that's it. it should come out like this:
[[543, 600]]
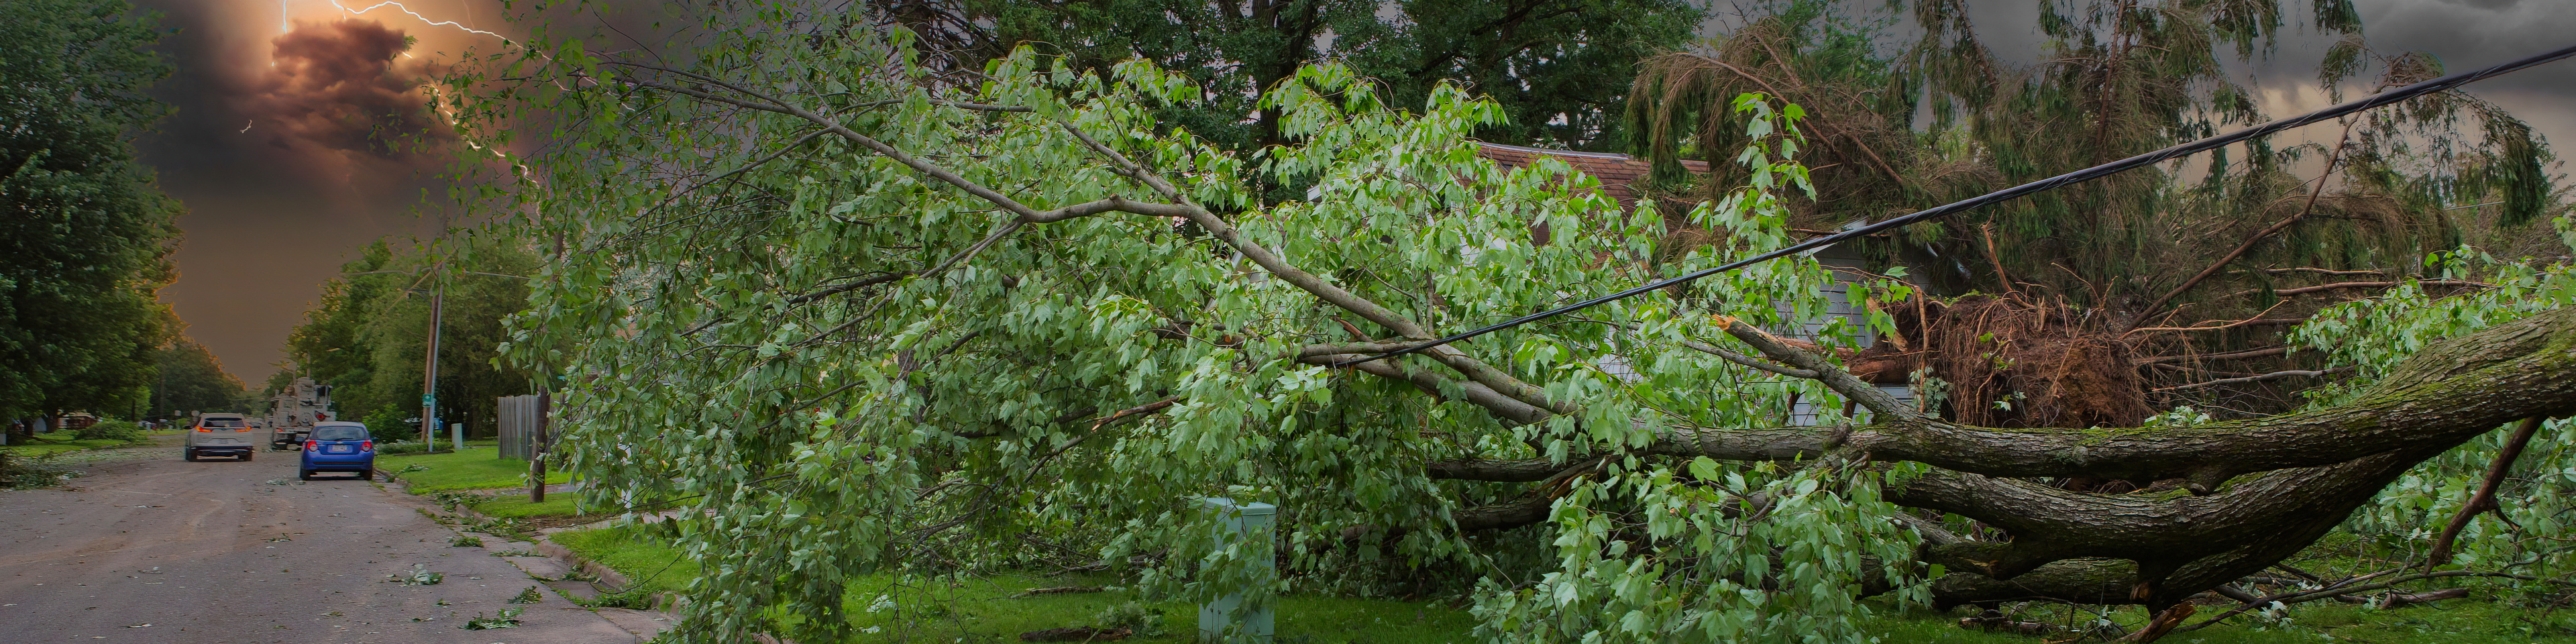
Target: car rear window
[[339, 434], [224, 423]]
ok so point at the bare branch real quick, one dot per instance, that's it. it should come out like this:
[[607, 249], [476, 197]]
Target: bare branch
[[1833, 377], [2230, 324], [2231, 355], [2303, 290], [2484, 499], [2259, 236], [2339, 590], [2320, 271], [844, 287], [956, 104], [2276, 375], [1722, 354]]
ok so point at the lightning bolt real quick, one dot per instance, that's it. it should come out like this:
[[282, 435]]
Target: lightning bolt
[[415, 14], [285, 21]]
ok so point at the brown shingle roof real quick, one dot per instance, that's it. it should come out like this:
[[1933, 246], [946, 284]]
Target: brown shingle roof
[[1615, 171]]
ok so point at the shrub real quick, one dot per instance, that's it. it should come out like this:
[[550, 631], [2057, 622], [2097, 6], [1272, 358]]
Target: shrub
[[20, 471], [119, 430]]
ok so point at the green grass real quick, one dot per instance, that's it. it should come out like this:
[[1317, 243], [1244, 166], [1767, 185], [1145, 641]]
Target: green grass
[[983, 608], [2462, 621], [652, 566], [62, 442], [516, 506], [986, 608], [472, 469]]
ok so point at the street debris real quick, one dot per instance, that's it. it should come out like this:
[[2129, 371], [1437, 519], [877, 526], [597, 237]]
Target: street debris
[[419, 576], [507, 618]]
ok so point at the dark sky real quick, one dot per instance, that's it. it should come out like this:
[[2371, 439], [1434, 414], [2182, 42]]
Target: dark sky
[[271, 149]]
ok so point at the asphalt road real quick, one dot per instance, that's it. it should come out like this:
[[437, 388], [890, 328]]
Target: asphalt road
[[149, 548]]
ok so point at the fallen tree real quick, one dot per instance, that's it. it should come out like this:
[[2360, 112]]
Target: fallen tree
[[867, 319], [2250, 493]]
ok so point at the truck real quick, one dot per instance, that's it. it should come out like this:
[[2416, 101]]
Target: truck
[[294, 410]]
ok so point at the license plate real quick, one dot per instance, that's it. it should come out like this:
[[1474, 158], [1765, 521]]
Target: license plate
[[339, 449]]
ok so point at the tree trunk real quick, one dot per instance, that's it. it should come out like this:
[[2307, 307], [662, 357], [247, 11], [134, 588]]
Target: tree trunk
[[2241, 495], [2158, 548]]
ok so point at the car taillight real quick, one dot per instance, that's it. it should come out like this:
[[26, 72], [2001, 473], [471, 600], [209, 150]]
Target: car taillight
[[368, 446], [206, 429], [312, 446]]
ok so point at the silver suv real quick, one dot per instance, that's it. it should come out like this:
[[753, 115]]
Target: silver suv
[[218, 435]]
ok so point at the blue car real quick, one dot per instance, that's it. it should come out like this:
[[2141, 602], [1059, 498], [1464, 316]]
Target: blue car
[[338, 446]]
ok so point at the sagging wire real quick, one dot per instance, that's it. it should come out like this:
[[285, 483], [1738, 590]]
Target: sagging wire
[[2051, 183]]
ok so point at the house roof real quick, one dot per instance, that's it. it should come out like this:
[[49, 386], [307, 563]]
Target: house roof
[[1617, 172]]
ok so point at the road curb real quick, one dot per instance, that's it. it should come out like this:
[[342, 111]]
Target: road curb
[[606, 580]]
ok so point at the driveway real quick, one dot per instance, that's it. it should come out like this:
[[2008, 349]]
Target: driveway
[[149, 548]]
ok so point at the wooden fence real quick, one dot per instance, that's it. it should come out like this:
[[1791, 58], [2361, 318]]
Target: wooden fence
[[520, 416]]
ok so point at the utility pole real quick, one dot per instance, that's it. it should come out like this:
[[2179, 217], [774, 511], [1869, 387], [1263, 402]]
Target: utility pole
[[429, 365]]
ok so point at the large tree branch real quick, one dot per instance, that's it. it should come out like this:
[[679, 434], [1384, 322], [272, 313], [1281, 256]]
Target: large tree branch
[[1833, 377], [2446, 394], [1472, 368], [1506, 408], [1497, 470], [1451, 357], [1215, 226]]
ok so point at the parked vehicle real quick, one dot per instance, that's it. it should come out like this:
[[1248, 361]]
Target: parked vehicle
[[217, 435], [338, 446]]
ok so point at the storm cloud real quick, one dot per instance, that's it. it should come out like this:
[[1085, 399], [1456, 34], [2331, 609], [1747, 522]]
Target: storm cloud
[[340, 94]]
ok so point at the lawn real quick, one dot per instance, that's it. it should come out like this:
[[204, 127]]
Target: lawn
[[473, 469], [61, 442], [652, 566], [516, 506], [2447, 622], [997, 608], [988, 608]]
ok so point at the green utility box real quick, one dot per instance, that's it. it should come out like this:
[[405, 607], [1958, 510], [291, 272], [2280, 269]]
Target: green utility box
[[1242, 522]]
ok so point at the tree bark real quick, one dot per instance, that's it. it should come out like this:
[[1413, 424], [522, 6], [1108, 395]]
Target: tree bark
[[2255, 492], [2445, 395]]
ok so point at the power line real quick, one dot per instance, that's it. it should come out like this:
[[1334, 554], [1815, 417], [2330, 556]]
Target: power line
[[2051, 183]]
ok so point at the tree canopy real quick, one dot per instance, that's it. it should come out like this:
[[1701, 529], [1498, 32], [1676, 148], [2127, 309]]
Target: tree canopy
[[191, 380], [368, 334], [852, 317], [84, 233], [1558, 68]]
